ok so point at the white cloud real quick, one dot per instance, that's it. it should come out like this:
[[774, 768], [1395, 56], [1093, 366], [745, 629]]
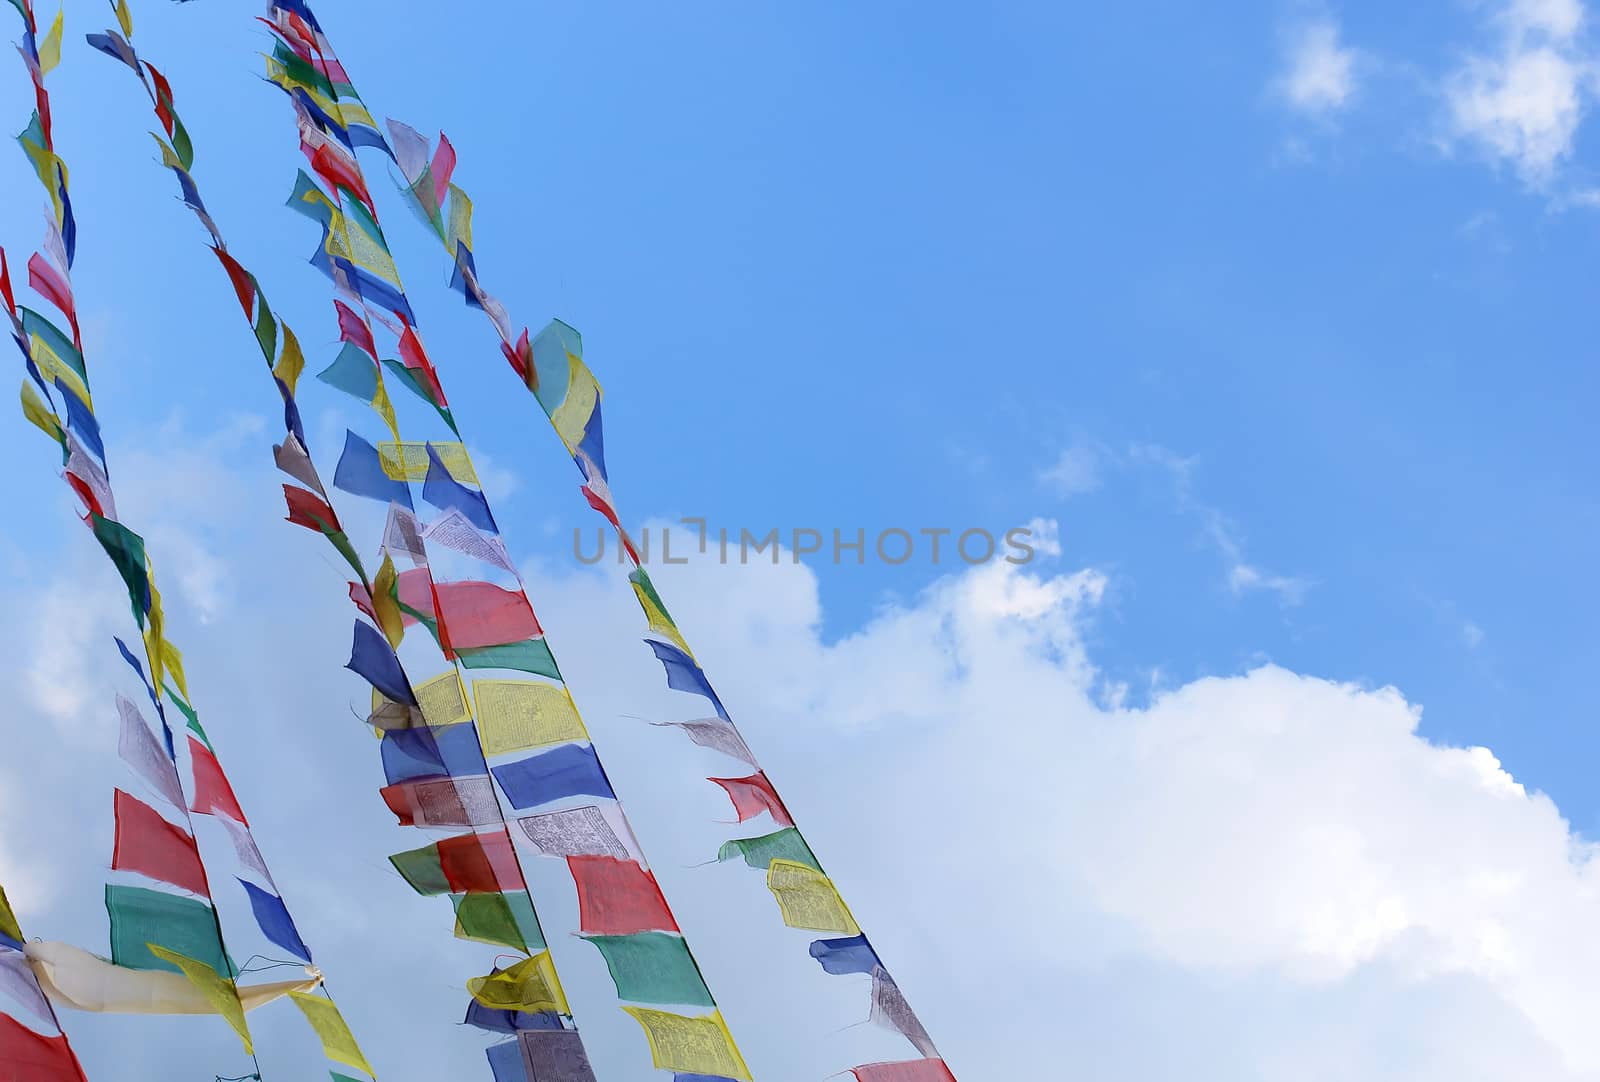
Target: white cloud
[[1523, 103], [1319, 70], [1075, 473], [1271, 871]]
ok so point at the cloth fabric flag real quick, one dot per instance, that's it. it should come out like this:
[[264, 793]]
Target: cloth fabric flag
[[786, 844], [374, 660], [244, 847], [493, 1021], [429, 753], [186, 926], [422, 870], [19, 985], [517, 715], [86, 982], [272, 916], [447, 494], [618, 897], [476, 614], [809, 899], [221, 992], [700, 1045], [444, 802], [890, 1010], [652, 967], [753, 795], [444, 700], [212, 793], [34, 1057], [480, 863], [148, 844], [530, 656], [554, 1055], [528, 986], [916, 1070], [505, 919], [683, 674], [360, 472], [139, 748], [841, 956], [338, 1043], [594, 830], [567, 771], [716, 734]]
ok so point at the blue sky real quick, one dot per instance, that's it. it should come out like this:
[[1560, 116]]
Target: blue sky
[[1280, 313]]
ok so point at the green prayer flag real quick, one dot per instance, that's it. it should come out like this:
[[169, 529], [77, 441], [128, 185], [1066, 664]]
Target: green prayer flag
[[188, 712], [36, 326], [529, 656], [653, 967], [786, 844], [301, 71], [266, 325], [126, 550], [421, 868], [506, 920], [185, 926]]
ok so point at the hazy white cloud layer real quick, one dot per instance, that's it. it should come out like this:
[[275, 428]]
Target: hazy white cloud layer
[[1264, 876]]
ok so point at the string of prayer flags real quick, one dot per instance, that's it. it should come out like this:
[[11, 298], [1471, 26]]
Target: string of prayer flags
[[153, 932], [551, 366]]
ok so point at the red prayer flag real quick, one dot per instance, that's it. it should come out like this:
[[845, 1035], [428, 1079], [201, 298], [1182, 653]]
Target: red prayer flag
[[618, 897], [163, 97], [911, 1070], [753, 795], [415, 358], [444, 165], [5, 283], [244, 286], [308, 509], [148, 844], [354, 329], [474, 614], [26, 1056], [480, 863], [86, 494], [603, 505], [53, 286], [339, 170], [212, 793]]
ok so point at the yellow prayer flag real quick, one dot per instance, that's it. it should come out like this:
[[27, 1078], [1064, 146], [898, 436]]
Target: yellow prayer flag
[[50, 47], [54, 368], [169, 157], [221, 992], [155, 622], [459, 231], [385, 408], [700, 1045], [660, 623], [530, 985], [338, 1043], [409, 461], [571, 418], [384, 605], [809, 899], [291, 362], [443, 700], [514, 715], [125, 18], [34, 409], [174, 662], [353, 112], [8, 920]]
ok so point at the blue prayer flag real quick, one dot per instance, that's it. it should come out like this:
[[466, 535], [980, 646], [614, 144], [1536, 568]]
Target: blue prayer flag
[[360, 471], [570, 770], [684, 675], [273, 917], [374, 660], [446, 493], [840, 956]]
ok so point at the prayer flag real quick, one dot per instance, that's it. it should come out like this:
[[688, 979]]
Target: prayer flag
[[753, 795], [696, 1045], [272, 916], [618, 897], [566, 771], [338, 1044], [653, 967], [148, 844]]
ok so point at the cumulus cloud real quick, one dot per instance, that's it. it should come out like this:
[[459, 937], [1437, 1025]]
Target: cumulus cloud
[[1319, 75], [1272, 872], [1522, 102]]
